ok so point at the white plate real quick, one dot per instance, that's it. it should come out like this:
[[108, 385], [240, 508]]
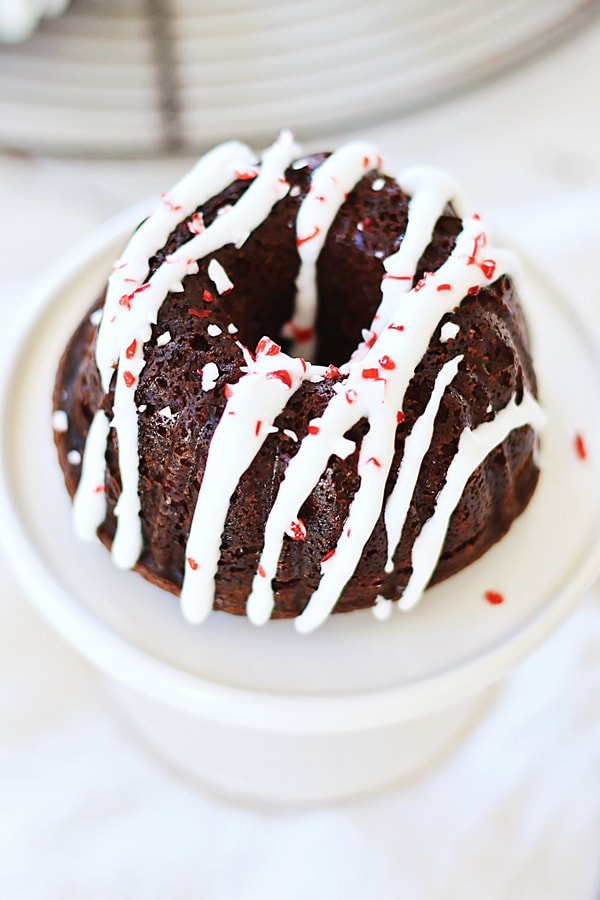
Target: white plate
[[354, 669]]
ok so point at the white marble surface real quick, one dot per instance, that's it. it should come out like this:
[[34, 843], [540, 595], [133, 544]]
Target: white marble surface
[[514, 812]]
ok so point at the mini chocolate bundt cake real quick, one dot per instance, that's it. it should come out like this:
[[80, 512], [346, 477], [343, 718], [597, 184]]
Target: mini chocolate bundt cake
[[307, 389]]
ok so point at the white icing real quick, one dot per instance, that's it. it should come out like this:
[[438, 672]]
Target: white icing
[[374, 385], [134, 319], [330, 184], [415, 448], [255, 402], [219, 277], [473, 447], [89, 503]]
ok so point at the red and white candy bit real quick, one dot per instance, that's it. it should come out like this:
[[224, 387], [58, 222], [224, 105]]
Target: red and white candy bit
[[196, 224], [281, 375], [304, 239], [267, 347], [127, 299], [313, 426], [248, 174], [191, 563], [169, 203], [129, 379], [332, 371], [296, 530], [198, 313]]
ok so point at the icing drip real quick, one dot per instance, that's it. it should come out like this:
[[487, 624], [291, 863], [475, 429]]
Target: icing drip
[[254, 403], [430, 192], [376, 377], [473, 447], [89, 503], [331, 183], [211, 174], [141, 311], [415, 448], [374, 390]]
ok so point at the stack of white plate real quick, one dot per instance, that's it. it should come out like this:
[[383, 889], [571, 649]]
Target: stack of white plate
[[138, 77]]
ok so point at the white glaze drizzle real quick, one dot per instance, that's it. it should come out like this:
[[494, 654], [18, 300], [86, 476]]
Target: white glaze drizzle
[[211, 174], [378, 375], [473, 447], [331, 182], [89, 503], [234, 227], [415, 447], [263, 391]]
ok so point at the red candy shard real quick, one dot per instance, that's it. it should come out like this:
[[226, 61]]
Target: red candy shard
[[257, 428], [309, 237], [130, 352], [227, 391], [372, 374], [281, 375], [400, 417], [313, 429], [366, 162], [580, 448], [488, 267], [192, 563], [196, 224], [387, 363], [375, 461], [396, 327], [444, 287], [494, 597], [296, 530], [473, 291], [262, 572], [99, 489], [328, 555], [199, 313], [207, 296], [267, 347], [129, 379], [332, 371]]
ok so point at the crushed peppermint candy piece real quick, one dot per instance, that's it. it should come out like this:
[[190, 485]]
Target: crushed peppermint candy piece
[[295, 191], [214, 330], [60, 421], [232, 329], [448, 331], [219, 277], [163, 339], [96, 317], [210, 373], [378, 184], [289, 433], [74, 457], [196, 224], [167, 413], [142, 408]]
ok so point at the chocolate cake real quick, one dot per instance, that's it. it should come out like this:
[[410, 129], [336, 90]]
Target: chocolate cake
[[307, 389]]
